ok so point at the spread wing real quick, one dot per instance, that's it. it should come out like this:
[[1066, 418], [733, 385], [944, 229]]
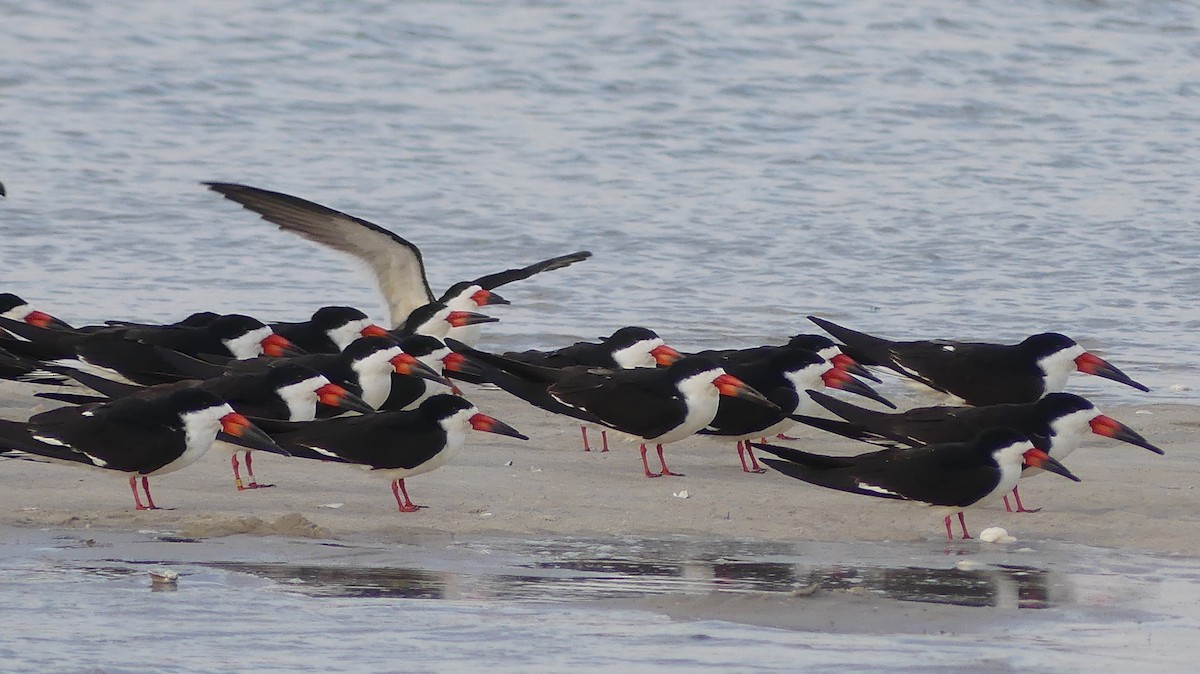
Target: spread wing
[[395, 262], [508, 276]]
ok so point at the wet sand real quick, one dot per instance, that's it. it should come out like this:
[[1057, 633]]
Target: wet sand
[[547, 488]]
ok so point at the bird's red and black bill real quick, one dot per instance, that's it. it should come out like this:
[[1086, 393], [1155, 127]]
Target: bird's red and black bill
[[460, 319], [1039, 459], [847, 364], [665, 355], [1111, 428], [730, 385], [405, 363], [237, 430], [44, 320], [1092, 364], [842, 380], [482, 422], [334, 395], [483, 297], [374, 330], [279, 346], [457, 362]]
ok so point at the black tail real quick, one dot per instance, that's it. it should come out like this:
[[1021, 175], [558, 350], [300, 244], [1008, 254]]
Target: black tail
[[863, 348], [853, 432]]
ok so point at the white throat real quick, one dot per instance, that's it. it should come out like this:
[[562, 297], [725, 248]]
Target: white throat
[[248, 345]]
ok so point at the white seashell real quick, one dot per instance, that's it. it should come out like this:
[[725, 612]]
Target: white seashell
[[680, 494], [163, 576], [967, 565], [995, 535], [331, 505]]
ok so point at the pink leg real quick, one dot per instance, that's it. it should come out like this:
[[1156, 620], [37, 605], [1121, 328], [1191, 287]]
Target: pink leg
[[583, 429], [406, 506], [645, 465], [666, 471], [781, 436], [1020, 506], [754, 462], [604, 439], [149, 499], [250, 470], [137, 499], [742, 456], [1007, 507], [949, 532], [962, 522], [237, 475]]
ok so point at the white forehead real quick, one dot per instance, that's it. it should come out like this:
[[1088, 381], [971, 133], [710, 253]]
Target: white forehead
[[378, 360], [807, 377], [1059, 365], [701, 383], [343, 335], [248, 345]]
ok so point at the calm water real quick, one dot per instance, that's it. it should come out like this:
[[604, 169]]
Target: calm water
[[528, 605], [915, 169]]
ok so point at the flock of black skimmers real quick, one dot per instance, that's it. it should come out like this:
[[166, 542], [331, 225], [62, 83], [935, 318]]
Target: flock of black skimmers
[[147, 399]]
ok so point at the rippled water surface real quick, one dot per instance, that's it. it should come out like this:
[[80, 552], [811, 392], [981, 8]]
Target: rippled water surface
[[915, 169], [536, 605]]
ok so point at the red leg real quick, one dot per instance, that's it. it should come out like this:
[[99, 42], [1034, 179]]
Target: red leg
[[1007, 507], [149, 499], [137, 499], [406, 506], [666, 471], [782, 436], [1020, 506], [237, 475], [250, 470], [742, 457], [754, 462], [962, 522], [645, 465], [949, 533], [604, 439], [583, 429]]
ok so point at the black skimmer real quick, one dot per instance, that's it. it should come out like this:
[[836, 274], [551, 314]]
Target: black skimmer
[[657, 405], [981, 373], [396, 263], [408, 392], [396, 444], [330, 329], [952, 476], [142, 437], [1057, 424], [437, 320], [288, 391], [14, 308], [783, 377], [132, 355], [628, 347], [824, 346]]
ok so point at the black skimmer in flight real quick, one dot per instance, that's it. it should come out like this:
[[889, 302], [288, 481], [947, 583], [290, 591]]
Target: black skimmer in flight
[[981, 373], [288, 391], [397, 444], [1056, 423], [131, 355], [628, 347], [783, 377], [330, 329], [952, 476], [142, 437], [396, 263], [657, 405]]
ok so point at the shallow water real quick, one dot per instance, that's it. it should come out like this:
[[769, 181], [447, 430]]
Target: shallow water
[[517, 605], [909, 168]]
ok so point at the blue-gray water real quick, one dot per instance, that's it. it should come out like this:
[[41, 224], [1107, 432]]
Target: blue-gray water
[[914, 169]]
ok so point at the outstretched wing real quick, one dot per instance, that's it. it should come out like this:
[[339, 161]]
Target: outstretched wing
[[394, 261]]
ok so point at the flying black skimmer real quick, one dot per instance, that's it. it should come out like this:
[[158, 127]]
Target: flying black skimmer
[[628, 347], [657, 405], [396, 444], [396, 263], [783, 377], [131, 354], [288, 391], [981, 373], [952, 476], [1057, 424], [142, 437], [330, 329]]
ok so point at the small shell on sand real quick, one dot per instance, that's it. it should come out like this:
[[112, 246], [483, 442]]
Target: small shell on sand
[[680, 494], [163, 576], [995, 535]]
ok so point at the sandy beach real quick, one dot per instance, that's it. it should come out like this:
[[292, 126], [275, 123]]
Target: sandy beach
[[1128, 497]]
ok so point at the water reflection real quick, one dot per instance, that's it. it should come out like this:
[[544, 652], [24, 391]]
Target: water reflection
[[622, 578]]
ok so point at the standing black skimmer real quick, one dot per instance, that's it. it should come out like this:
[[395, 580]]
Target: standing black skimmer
[[139, 436], [130, 354], [628, 347], [783, 377], [408, 392], [1056, 423], [396, 444], [981, 373], [657, 405], [821, 344], [14, 308], [952, 476], [330, 329], [288, 391], [395, 262]]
